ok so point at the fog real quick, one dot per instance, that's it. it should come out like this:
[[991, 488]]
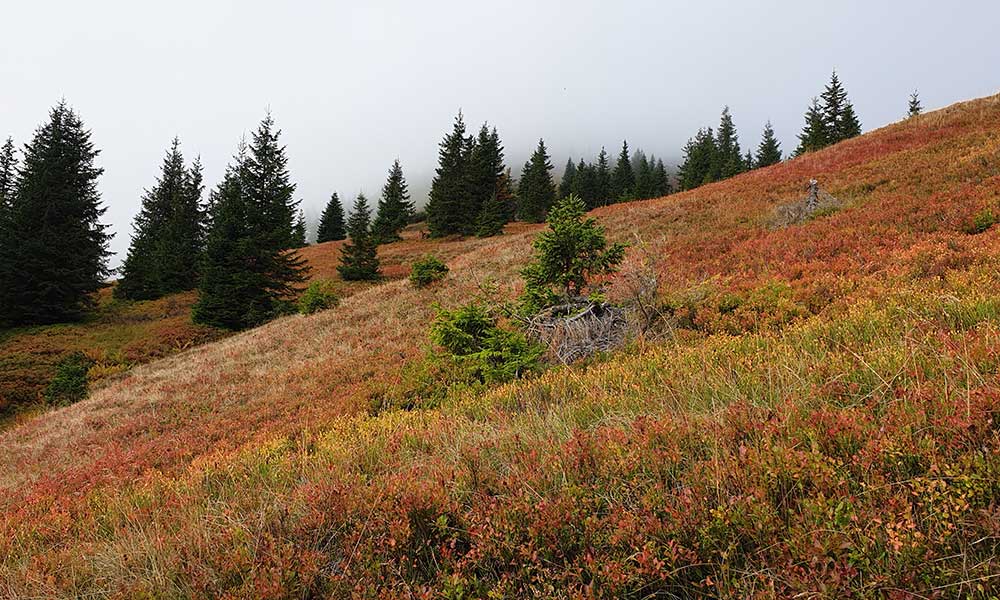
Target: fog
[[355, 85]]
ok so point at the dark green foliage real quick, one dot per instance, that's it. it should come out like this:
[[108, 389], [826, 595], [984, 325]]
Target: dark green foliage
[[769, 150], [814, 134], [915, 107], [748, 162], [69, 385], [427, 270], [569, 175], [700, 158], [248, 275], [661, 180], [982, 221], [536, 192], [359, 258], [319, 295], [484, 171], [331, 222], [394, 208], [492, 217], [473, 339], [645, 179], [602, 179], [53, 249], [168, 233], [729, 157], [446, 210], [623, 178], [299, 231], [8, 177], [586, 185], [829, 122], [568, 255]]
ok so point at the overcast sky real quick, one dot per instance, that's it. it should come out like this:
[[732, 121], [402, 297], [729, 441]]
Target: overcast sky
[[353, 85]]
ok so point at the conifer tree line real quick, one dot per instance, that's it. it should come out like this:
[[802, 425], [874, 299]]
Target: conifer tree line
[[714, 155], [635, 176]]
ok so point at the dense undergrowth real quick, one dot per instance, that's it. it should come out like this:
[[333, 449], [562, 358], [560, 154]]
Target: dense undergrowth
[[823, 420]]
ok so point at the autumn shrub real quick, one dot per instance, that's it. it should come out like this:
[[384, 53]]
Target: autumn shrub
[[320, 295], [471, 337], [69, 384], [427, 270]]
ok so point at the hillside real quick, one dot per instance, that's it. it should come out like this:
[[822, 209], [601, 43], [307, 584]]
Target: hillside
[[823, 418]]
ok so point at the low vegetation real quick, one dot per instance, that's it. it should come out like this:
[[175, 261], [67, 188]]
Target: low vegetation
[[818, 415]]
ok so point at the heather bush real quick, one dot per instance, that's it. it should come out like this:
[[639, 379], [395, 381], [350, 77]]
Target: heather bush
[[320, 295], [69, 384], [427, 270], [982, 221]]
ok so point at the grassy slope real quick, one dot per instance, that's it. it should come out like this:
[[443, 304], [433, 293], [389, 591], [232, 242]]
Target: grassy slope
[[826, 421]]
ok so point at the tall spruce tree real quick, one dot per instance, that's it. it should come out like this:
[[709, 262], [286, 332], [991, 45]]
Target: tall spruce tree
[[769, 150], [267, 183], [729, 157], [233, 292], [359, 257], [602, 179], [569, 174], [249, 275], [839, 118], [814, 133], [299, 234], [661, 179], [331, 222], [623, 178], [645, 184], [447, 212], [536, 191], [483, 171], [700, 158], [8, 176], [394, 208], [914, 107], [168, 233], [585, 184], [53, 254]]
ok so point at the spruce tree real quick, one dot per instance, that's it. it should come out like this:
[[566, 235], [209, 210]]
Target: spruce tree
[[623, 178], [914, 108], [769, 150], [748, 162], [394, 208], [359, 258], [8, 176], [585, 184], [249, 276], [233, 291], [700, 159], [492, 217], [164, 254], [53, 256], [602, 179], [839, 118], [483, 171], [536, 191], [661, 179], [814, 134], [299, 231], [644, 181], [507, 196], [267, 183], [446, 208], [331, 222], [569, 174], [729, 157]]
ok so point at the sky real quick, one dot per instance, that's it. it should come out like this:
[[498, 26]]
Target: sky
[[355, 85]]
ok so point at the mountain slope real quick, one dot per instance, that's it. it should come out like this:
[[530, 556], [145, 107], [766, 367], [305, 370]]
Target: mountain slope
[[824, 418]]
